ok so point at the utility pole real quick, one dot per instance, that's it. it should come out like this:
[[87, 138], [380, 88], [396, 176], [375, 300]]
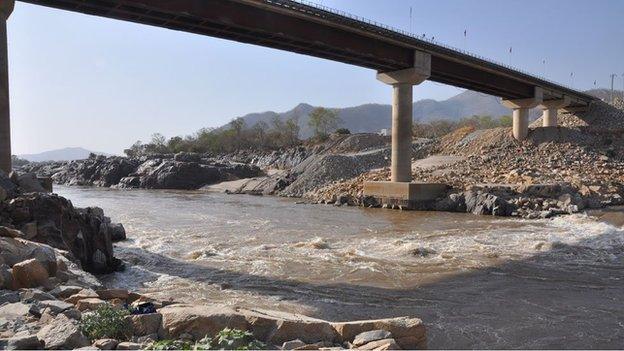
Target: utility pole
[[612, 92]]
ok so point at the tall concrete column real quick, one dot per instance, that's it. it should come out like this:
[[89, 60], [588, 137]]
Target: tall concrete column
[[401, 161], [6, 7], [520, 129], [550, 109], [402, 101], [549, 117]]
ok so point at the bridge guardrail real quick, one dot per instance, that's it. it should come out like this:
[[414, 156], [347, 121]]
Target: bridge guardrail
[[386, 29]]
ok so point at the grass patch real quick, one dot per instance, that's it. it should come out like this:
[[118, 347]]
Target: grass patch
[[105, 322]]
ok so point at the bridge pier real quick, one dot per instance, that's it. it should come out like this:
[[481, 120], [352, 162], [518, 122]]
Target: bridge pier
[[6, 8], [550, 109], [520, 116], [402, 82], [399, 191]]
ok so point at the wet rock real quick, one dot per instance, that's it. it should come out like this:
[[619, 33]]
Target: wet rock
[[144, 324], [199, 321], [484, 203], [62, 333], [117, 232], [30, 273]]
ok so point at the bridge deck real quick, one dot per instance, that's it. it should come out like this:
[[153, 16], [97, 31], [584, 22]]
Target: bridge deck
[[300, 28]]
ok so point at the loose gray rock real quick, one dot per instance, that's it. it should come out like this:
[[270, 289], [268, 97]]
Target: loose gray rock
[[62, 333], [369, 336], [24, 341]]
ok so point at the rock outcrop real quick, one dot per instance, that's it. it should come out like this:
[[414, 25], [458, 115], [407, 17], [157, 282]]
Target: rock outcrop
[[181, 171]]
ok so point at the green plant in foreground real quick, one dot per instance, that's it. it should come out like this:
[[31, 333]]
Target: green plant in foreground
[[235, 339], [170, 345], [226, 339], [105, 322]]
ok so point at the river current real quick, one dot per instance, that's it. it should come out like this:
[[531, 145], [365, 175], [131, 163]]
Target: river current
[[476, 281]]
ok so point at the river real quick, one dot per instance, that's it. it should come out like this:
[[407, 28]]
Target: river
[[476, 281]]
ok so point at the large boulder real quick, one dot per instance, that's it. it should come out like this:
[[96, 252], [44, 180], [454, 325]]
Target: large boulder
[[198, 321], [16, 250], [8, 188], [144, 324], [29, 183], [279, 327], [409, 333], [481, 203], [62, 333], [180, 175], [30, 273], [84, 233]]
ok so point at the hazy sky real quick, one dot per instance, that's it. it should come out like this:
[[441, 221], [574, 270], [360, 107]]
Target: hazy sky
[[102, 84]]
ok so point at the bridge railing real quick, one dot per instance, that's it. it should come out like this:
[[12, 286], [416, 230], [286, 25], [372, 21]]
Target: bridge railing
[[386, 29]]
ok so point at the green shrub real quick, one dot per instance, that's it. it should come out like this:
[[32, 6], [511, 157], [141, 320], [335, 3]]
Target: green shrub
[[226, 339], [235, 339], [170, 345], [343, 131], [105, 322]]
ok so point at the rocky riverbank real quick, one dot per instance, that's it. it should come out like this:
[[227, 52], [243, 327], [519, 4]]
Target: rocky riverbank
[[557, 170], [48, 298]]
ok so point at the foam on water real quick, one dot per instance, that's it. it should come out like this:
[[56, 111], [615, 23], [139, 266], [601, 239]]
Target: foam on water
[[351, 263]]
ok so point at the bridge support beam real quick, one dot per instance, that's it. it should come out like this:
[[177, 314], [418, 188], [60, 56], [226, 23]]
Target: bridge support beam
[[550, 109], [521, 113], [400, 191], [6, 8], [402, 104]]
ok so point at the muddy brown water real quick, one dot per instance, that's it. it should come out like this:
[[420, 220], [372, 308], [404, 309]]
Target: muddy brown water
[[476, 281]]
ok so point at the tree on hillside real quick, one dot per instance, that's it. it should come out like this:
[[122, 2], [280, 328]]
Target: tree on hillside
[[323, 121], [237, 125], [291, 131], [135, 150]]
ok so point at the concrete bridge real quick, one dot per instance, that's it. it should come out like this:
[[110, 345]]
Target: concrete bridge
[[400, 59]]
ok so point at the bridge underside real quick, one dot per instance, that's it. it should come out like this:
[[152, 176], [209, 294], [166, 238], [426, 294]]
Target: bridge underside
[[295, 27], [400, 60]]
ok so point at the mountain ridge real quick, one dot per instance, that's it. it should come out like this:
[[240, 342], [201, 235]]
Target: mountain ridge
[[63, 154]]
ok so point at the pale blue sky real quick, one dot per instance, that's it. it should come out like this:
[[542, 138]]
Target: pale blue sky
[[79, 80]]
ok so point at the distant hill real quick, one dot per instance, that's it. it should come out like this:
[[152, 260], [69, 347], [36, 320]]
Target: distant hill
[[373, 117], [66, 154]]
